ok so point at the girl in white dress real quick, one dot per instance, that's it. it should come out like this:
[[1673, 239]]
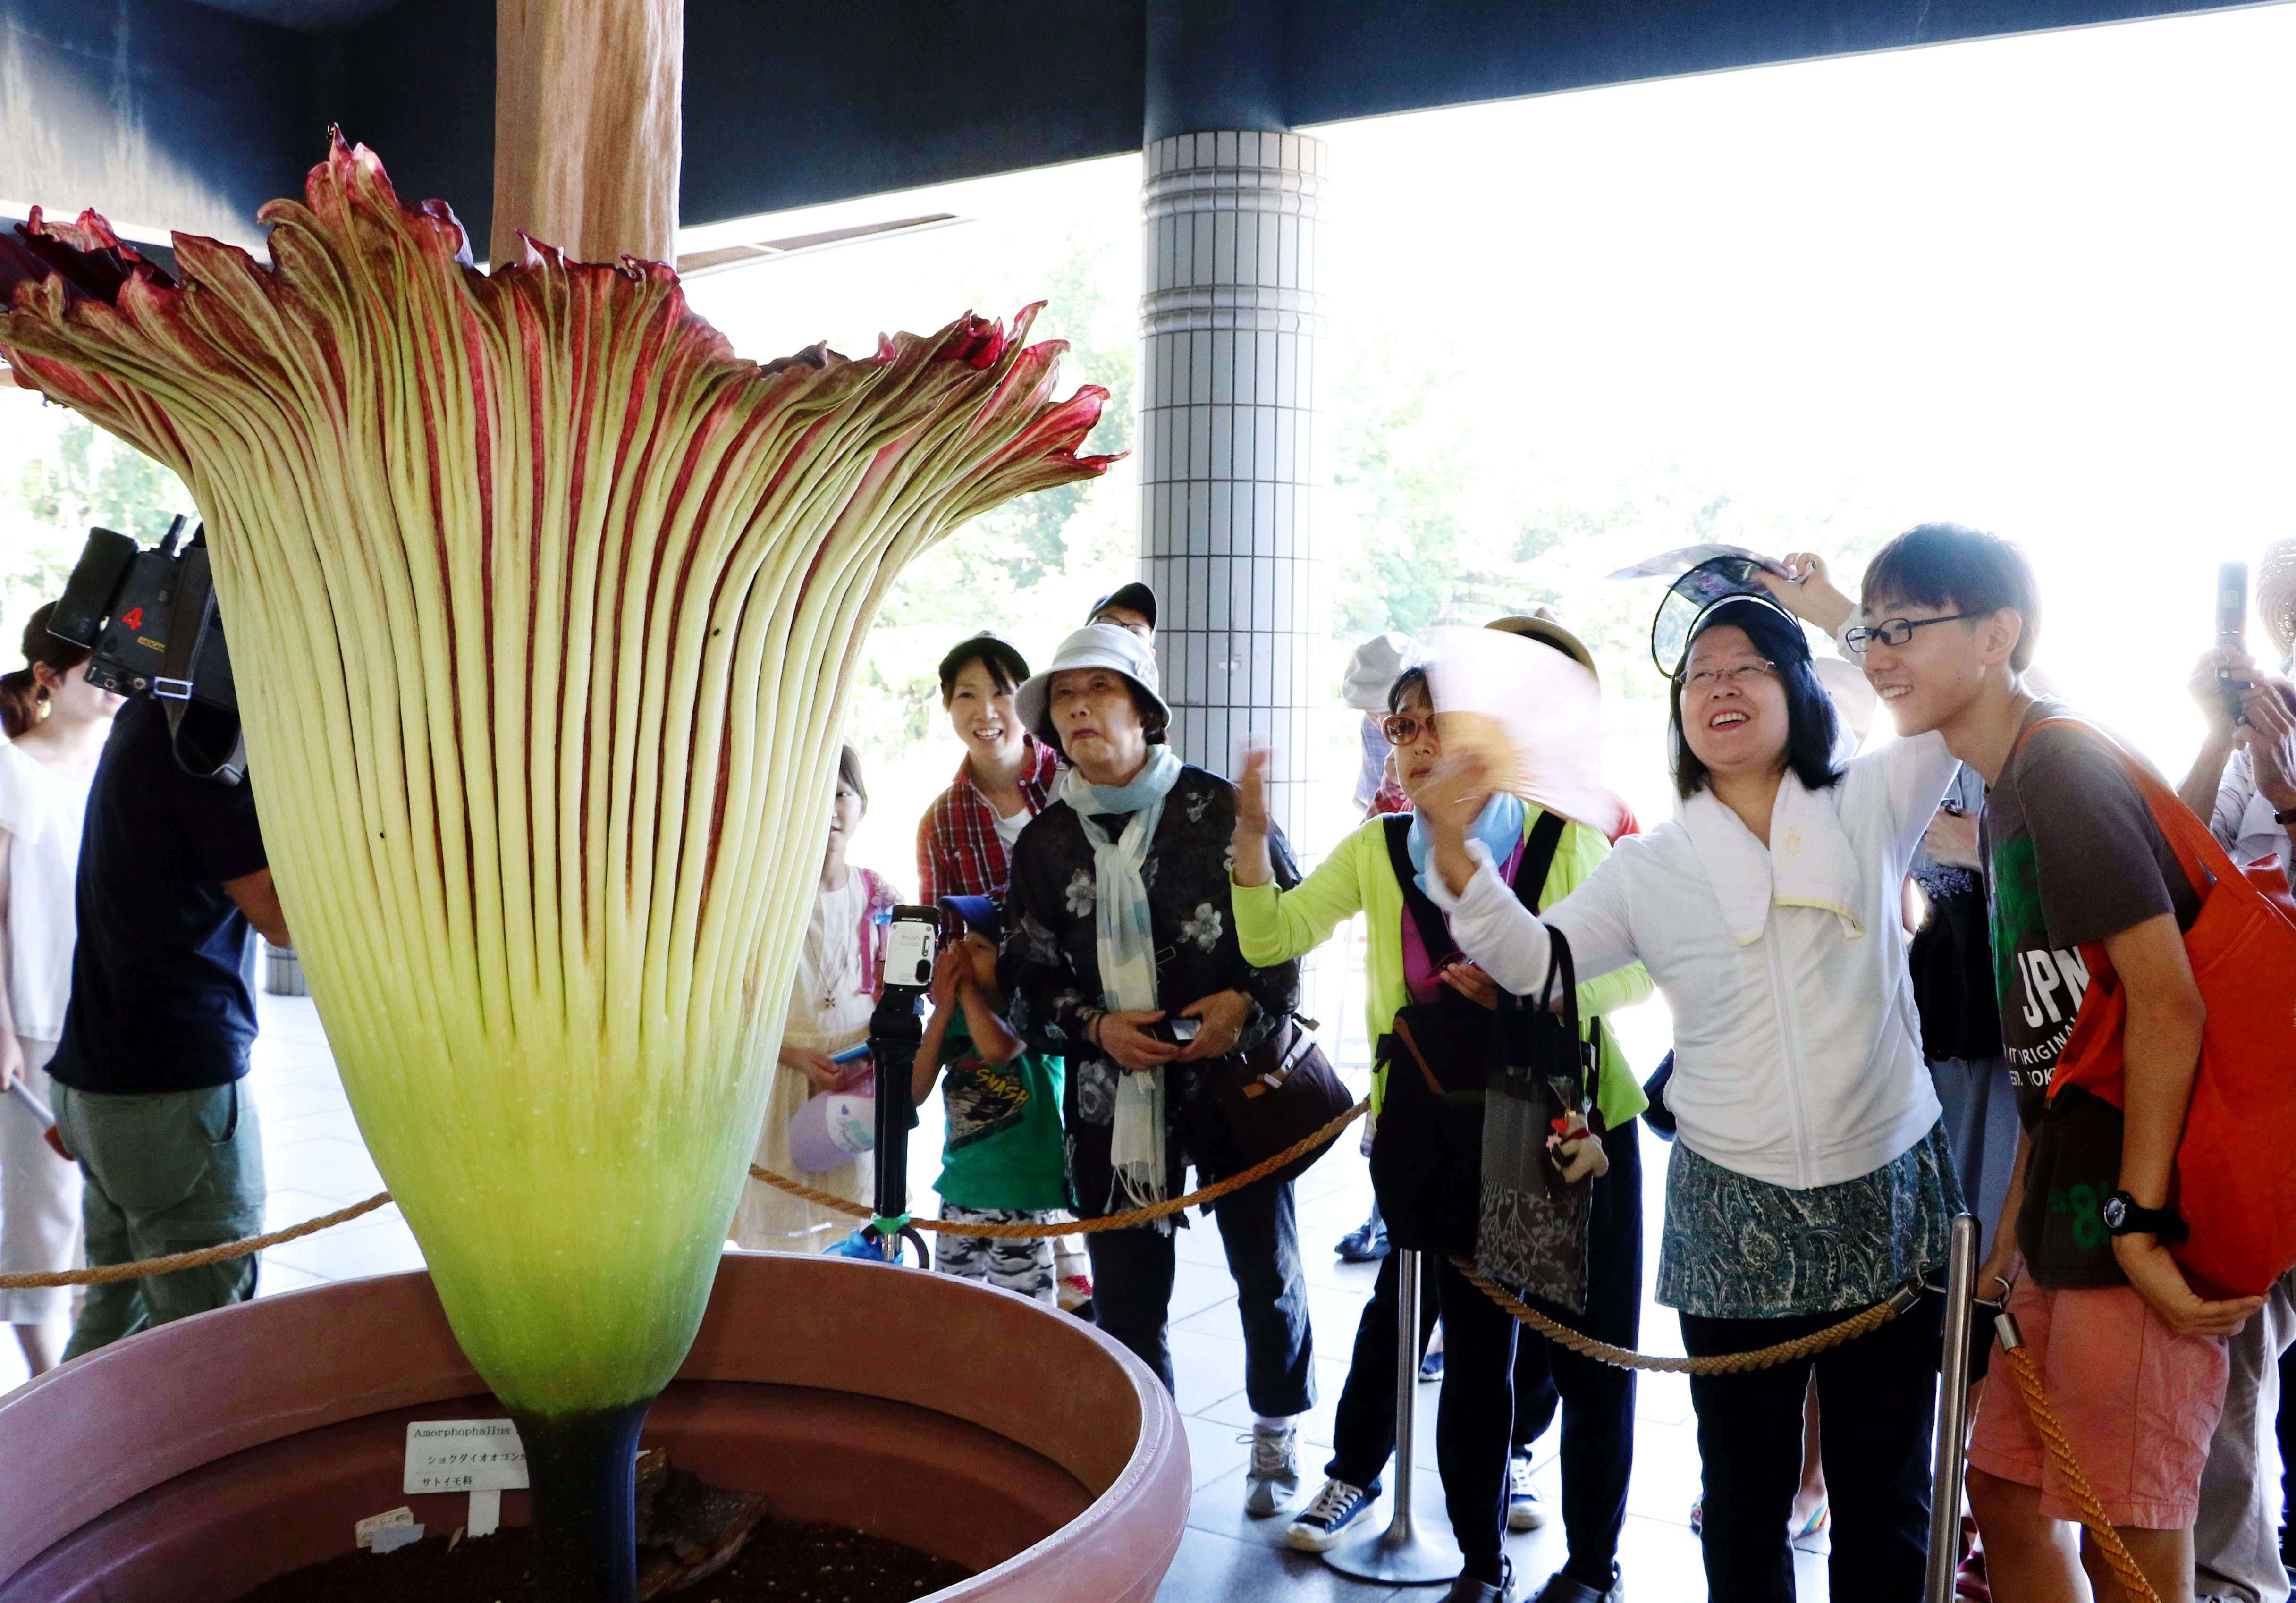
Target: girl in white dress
[[56, 723], [830, 1004]]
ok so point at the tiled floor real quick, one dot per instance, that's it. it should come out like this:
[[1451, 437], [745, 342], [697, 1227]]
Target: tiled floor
[[316, 1163]]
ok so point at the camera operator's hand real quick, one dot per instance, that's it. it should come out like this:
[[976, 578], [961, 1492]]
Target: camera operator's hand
[[1810, 593], [1120, 1037], [952, 969], [1223, 1016], [2162, 1285], [814, 1066], [2270, 738], [11, 1061], [2204, 686]]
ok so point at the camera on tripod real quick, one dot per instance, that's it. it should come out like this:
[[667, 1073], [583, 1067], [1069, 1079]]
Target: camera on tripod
[[148, 620]]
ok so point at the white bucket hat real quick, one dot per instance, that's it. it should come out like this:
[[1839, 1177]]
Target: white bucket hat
[[1093, 646], [1376, 666]]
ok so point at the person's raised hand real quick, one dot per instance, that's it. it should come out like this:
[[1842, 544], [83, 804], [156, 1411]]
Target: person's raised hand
[[2207, 688], [1471, 983], [1810, 592], [814, 1066], [1222, 1017], [2270, 738], [1251, 791], [1454, 793], [2154, 1275], [1124, 1040]]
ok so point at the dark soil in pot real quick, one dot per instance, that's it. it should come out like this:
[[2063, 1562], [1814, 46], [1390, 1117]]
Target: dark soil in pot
[[783, 1562]]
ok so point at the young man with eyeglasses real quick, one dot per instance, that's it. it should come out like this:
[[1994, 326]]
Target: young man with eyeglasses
[[2134, 1360]]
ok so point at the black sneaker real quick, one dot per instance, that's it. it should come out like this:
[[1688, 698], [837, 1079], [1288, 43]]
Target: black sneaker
[[1337, 1507], [1365, 1244]]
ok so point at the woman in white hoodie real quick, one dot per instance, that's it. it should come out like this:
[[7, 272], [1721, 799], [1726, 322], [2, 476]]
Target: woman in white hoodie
[[1810, 1178]]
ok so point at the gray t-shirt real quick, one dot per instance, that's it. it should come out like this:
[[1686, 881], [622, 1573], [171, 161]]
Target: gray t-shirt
[[2073, 856]]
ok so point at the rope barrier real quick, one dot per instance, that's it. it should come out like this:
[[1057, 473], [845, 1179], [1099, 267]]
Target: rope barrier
[[2061, 1448], [1719, 1363], [1130, 1219], [107, 1274]]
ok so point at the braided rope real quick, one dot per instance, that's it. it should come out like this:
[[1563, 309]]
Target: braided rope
[[2061, 1448], [107, 1274], [1719, 1363], [110, 1273], [1129, 1219]]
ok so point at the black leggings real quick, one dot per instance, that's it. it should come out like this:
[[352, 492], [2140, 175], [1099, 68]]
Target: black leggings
[[1877, 1400]]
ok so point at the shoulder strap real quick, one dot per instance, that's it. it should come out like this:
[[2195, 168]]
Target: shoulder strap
[[1434, 932], [2198, 852], [1538, 858]]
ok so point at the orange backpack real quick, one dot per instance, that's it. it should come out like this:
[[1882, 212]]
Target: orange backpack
[[2235, 1181]]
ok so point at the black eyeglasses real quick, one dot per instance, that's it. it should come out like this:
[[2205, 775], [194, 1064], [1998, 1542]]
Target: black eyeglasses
[[1897, 631]]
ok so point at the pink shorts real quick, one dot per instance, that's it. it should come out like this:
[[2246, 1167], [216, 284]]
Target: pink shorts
[[2138, 1403]]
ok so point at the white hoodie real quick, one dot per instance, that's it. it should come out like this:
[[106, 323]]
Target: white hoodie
[[1797, 1048]]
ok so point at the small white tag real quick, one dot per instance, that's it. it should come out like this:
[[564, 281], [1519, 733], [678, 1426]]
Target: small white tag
[[463, 1455], [364, 1532], [391, 1538], [486, 1512]]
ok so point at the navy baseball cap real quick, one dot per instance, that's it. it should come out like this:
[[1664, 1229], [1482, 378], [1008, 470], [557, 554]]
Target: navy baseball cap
[[1135, 597]]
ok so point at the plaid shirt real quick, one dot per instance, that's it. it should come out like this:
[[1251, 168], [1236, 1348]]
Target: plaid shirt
[[958, 853]]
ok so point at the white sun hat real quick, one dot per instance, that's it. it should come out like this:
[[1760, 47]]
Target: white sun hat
[[1093, 646]]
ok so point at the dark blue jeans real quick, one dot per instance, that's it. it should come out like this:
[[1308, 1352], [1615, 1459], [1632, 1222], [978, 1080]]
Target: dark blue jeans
[[1132, 1295]]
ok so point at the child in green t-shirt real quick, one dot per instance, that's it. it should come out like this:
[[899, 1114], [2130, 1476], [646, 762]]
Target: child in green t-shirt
[[1004, 1161]]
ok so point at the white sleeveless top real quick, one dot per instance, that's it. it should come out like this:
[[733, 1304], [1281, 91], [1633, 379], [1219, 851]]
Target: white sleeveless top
[[42, 811]]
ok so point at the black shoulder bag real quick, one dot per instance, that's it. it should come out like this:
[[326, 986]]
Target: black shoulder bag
[[1427, 1152]]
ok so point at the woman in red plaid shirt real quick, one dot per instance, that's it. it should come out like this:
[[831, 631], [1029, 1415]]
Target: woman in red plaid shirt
[[965, 843]]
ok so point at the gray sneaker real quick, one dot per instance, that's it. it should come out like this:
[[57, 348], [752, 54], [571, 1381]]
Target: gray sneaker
[[1524, 1511], [1274, 1476], [1466, 1589]]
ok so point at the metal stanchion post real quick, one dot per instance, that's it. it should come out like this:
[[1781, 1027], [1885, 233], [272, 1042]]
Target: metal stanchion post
[[1403, 1554], [1948, 1460]]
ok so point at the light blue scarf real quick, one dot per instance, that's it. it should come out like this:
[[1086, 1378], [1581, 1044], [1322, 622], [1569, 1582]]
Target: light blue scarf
[[1128, 951], [1499, 827]]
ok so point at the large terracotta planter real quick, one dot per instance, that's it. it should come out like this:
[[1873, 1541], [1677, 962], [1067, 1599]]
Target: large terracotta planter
[[191, 1462]]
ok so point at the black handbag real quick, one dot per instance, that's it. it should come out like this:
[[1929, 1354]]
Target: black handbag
[[1532, 1229], [1427, 1151], [1278, 1094]]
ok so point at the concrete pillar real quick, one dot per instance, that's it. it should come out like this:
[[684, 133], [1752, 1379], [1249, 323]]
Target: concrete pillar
[[1229, 323]]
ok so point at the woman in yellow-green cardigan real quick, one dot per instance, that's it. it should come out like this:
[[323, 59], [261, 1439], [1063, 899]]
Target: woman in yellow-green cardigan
[[1482, 1455]]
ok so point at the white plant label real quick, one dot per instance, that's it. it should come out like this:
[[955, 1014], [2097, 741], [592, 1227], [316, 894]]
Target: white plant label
[[464, 1455], [485, 1513], [364, 1532]]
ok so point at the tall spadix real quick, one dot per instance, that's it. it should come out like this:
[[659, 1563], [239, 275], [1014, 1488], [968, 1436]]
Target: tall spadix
[[542, 608]]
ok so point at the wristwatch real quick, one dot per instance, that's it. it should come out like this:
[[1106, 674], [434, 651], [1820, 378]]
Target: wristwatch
[[2123, 1217]]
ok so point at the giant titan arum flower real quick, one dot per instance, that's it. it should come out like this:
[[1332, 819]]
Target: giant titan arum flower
[[542, 608]]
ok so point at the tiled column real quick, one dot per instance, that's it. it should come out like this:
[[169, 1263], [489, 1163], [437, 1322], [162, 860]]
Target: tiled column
[[1228, 326]]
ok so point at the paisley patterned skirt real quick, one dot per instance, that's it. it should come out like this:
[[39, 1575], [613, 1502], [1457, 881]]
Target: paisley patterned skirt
[[1737, 1248]]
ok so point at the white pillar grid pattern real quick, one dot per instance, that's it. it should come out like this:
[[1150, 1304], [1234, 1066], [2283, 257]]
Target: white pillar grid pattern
[[1229, 321]]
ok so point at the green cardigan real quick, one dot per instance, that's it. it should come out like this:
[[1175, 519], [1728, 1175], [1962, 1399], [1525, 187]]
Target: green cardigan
[[1275, 926]]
